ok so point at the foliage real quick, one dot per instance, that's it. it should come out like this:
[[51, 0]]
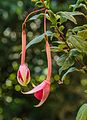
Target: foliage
[[73, 41], [82, 113]]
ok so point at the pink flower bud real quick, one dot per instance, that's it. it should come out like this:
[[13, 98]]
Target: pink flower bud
[[23, 75]]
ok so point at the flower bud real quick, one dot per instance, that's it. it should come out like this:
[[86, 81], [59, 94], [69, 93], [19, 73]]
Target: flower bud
[[23, 75]]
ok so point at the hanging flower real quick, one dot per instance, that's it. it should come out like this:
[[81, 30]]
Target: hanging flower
[[23, 74], [42, 91]]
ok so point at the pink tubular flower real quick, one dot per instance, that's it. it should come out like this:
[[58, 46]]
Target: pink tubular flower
[[23, 74], [42, 91]]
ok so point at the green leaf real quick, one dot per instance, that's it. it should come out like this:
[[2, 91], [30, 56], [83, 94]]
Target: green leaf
[[60, 48], [83, 34], [52, 17], [55, 49], [72, 69], [68, 63], [38, 39], [80, 28], [79, 1], [79, 4], [82, 5], [61, 59], [76, 13], [62, 20], [74, 53], [36, 16], [82, 113], [64, 16], [78, 43], [61, 28], [65, 61]]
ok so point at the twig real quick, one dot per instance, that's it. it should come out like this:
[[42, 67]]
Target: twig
[[36, 11], [62, 37]]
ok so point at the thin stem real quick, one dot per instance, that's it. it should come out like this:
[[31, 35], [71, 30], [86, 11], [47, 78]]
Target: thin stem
[[48, 51], [81, 64], [49, 60], [63, 38], [36, 11], [42, 1], [23, 44], [24, 35], [82, 71], [45, 22]]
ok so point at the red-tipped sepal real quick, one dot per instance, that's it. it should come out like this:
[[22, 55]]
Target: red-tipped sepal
[[23, 75]]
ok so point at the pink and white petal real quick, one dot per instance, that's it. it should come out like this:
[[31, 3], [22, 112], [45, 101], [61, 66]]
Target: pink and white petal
[[37, 88], [46, 92]]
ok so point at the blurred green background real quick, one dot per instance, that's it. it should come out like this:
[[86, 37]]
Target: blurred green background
[[64, 100]]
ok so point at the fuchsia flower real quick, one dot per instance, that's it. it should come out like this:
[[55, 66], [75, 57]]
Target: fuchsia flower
[[42, 91], [23, 74]]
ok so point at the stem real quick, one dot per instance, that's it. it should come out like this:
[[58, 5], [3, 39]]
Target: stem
[[49, 60], [81, 64], [24, 35], [23, 44], [48, 51], [82, 71], [63, 38], [42, 1], [36, 11], [45, 23]]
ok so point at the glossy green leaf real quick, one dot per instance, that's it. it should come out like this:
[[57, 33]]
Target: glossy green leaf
[[68, 16], [78, 43], [72, 69], [52, 17], [38, 39], [61, 59], [60, 48], [82, 5], [82, 113], [79, 4], [74, 52], [65, 61], [79, 28], [83, 34]]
